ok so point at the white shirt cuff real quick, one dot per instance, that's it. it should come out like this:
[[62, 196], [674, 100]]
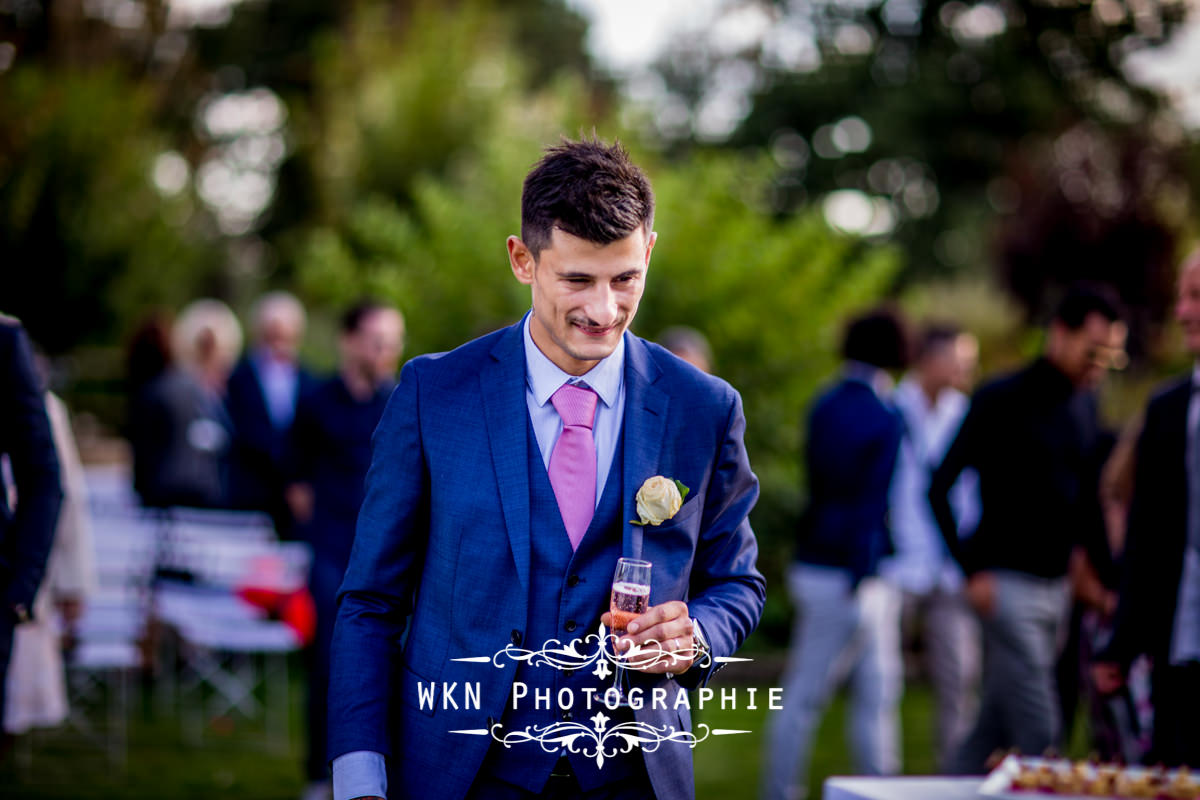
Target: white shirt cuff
[[361, 773]]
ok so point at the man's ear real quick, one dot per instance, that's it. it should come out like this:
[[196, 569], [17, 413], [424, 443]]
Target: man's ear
[[521, 259], [650, 241]]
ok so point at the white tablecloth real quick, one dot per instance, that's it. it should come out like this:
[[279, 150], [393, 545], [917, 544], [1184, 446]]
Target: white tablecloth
[[902, 788]]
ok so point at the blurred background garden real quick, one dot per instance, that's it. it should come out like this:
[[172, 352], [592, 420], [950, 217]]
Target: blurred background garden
[[810, 158]]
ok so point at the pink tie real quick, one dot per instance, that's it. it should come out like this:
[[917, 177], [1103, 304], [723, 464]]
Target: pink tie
[[573, 461]]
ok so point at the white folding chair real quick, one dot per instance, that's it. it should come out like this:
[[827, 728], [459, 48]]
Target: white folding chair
[[228, 651]]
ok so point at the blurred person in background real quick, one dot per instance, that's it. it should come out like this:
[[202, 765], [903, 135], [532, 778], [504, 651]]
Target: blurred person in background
[[331, 442], [1122, 722], [847, 622], [689, 344], [37, 685], [1031, 437], [179, 426], [26, 528], [1158, 613], [1093, 580], [148, 353], [261, 404], [147, 356], [933, 407]]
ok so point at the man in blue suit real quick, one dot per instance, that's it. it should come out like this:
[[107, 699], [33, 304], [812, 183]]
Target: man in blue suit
[[502, 487], [847, 623]]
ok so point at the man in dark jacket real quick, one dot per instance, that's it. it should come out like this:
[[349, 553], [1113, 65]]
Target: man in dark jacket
[[26, 531], [1031, 436], [331, 446], [1158, 614], [261, 404], [846, 617]]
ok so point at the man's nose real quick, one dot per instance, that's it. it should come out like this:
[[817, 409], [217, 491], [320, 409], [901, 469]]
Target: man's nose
[[602, 307]]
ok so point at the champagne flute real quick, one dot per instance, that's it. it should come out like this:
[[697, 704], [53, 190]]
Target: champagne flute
[[630, 599]]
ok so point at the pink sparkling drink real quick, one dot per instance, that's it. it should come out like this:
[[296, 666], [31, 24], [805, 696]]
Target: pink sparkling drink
[[629, 601]]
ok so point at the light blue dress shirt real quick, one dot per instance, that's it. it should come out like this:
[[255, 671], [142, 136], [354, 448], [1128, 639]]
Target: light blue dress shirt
[[278, 380], [363, 773], [922, 562]]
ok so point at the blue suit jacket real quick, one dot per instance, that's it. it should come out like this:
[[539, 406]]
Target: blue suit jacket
[[260, 453], [442, 549], [853, 439]]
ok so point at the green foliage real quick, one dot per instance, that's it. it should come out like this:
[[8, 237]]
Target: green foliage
[[87, 239], [1015, 119], [982, 308], [389, 115], [420, 171]]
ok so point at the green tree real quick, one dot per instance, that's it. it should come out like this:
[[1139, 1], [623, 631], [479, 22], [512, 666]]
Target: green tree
[[966, 121], [88, 240]]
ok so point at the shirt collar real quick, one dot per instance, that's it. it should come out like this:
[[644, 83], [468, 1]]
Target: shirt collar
[[879, 381], [911, 395], [263, 360], [544, 377]]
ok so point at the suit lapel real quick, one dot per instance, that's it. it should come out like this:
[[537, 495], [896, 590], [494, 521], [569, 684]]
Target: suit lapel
[[502, 386], [644, 425]]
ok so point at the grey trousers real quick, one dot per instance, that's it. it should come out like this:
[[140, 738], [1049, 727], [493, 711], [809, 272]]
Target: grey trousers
[[949, 632], [1021, 639], [841, 633]]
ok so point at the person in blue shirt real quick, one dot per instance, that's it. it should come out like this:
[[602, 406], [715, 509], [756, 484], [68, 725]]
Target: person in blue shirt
[[847, 623], [331, 441]]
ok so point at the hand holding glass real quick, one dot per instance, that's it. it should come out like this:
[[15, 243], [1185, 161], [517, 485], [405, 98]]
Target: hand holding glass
[[630, 599]]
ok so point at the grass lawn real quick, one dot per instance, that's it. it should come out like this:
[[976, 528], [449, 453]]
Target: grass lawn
[[729, 767], [235, 761]]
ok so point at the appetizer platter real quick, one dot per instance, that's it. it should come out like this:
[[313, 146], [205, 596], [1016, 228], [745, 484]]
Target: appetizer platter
[[1022, 778]]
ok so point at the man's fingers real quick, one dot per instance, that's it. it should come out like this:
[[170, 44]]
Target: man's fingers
[[680, 629], [663, 630], [656, 615]]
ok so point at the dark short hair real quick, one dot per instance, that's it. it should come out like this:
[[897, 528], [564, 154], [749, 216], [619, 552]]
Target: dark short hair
[[933, 336], [878, 337], [353, 317], [1081, 300], [587, 189]]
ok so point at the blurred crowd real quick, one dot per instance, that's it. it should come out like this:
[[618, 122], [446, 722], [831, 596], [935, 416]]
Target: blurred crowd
[[210, 426], [998, 541], [1034, 565]]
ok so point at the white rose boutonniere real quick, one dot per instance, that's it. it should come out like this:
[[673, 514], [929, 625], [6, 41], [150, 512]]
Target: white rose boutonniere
[[658, 500]]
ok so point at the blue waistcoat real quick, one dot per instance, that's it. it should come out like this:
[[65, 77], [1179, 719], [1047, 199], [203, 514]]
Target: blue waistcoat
[[568, 593]]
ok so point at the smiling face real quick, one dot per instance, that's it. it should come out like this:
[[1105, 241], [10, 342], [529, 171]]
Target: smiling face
[[585, 295]]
